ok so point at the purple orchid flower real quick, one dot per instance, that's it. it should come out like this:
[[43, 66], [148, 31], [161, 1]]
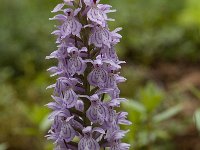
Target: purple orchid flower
[[109, 53], [100, 36], [79, 105], [98, 76], [115, 140], [114, 118], [76, 63], [87, 142], [70, 24], [97, 112], [61, 5], [97, 13], [62, 131], [88, 70]]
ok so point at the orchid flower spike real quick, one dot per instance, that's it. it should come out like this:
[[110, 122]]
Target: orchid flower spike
[[87, 70]]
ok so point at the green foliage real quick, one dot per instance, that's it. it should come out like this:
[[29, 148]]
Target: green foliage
[[159, 30], [167, 114], [150, 97], [197, 118], [147, 129], [135, 79], [3, 146], [190, 15], [195, 92]]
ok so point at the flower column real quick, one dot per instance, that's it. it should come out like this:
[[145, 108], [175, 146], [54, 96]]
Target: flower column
[[87, 70]]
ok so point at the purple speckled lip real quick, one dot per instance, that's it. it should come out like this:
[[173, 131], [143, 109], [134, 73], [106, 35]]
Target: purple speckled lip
[[87, 72]]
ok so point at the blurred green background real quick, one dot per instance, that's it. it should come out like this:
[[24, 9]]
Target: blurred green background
[[161, 42]]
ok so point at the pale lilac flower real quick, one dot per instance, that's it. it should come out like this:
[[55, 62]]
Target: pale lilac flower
[[76, 63], [117, 145], [61, 5], [114, 118], [67, 131], [87, 142], [98, 76], [58, 7], [62, 130], [109, 53], [70, 24], [98, 12], [79, 105], [115, 140], [100, 36], [97, 112], [113, 78], [88, 69]]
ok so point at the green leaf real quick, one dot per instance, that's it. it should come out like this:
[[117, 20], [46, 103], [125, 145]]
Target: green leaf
[[3, 146], [135, 105], [195, 92], [162, 134], [151, 96], [136, 110], [167, 114], [45, 124], [38, 113], [197, 118], [143, 138]]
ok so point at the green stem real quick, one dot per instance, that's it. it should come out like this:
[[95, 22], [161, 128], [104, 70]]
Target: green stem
[[85, 36], [87, 92], [102, 98]]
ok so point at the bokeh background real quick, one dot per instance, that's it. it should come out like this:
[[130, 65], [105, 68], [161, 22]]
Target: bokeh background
[[161, 42]]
